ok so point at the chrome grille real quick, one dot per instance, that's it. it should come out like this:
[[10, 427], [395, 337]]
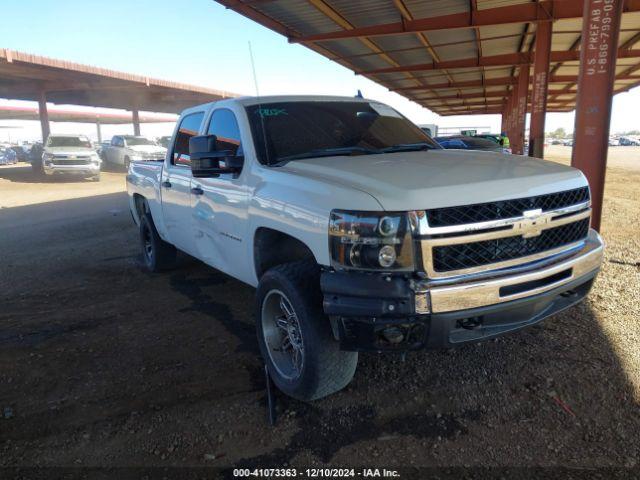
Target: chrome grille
[[483, 237], [475, 254], [65, 161], [483, 212]]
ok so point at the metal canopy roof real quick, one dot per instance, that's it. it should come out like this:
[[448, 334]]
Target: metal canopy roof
[[24, 77], [451, 56], [63, 115]]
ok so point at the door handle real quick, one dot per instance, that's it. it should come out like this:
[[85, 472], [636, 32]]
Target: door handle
[[197, 191], [166, 184]]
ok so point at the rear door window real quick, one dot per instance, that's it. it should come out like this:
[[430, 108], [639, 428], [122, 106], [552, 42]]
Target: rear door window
[[189, 127]]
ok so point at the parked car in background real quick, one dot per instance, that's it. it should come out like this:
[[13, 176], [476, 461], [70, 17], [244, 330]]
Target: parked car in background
[[21, 153], [101, 148], [70, 155], [8, 156], [164, 141], [461, 142], [567, 142], [127, 148], [629, 142], [361, 233]]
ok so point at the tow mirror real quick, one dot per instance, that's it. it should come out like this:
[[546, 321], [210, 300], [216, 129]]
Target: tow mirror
[[206, 161]]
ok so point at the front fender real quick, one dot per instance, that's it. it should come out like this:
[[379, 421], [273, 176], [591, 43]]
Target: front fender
[[300, 207]]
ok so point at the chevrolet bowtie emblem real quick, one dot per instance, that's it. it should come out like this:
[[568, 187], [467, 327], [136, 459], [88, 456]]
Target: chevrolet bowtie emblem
[[533, 223]]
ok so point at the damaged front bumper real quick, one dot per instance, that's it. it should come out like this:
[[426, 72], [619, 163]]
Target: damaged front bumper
[[375, 312]]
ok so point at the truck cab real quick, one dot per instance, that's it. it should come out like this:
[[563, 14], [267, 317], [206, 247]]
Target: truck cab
[[360, 233]]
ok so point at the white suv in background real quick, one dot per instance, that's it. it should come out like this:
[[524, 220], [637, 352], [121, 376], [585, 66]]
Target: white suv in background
[[70, 155]]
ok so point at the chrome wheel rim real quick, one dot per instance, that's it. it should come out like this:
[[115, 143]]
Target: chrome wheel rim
[[147, 245], [282, 335]]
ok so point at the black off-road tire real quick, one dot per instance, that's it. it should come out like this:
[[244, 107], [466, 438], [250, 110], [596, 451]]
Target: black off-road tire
[[326, 369], [157, 255]]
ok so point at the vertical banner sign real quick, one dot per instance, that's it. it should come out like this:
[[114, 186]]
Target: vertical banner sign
[[523, 97], [598, 54]]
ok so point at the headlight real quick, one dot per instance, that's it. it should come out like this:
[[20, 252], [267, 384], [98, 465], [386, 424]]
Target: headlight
[[47, 157], [370, 241], [95, 158]]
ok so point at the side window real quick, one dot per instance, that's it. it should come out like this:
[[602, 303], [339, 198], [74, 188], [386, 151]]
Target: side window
[[189, 127], [114, 141], [225, 127]]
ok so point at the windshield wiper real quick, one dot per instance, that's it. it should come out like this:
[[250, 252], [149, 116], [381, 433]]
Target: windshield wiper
[[328, 152], [408, 147]]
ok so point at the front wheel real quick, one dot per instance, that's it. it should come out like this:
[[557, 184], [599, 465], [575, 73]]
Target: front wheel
[[295, 336]]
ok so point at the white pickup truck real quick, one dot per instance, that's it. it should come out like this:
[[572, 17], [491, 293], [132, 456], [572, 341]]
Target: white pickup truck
[[125, 149], [360, 232]]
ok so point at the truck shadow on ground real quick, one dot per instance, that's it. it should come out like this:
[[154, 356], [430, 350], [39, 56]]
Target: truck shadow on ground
[[556, 384]]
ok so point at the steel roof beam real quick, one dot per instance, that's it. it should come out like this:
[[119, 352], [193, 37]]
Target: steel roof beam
[[507, 60], [523, 13]]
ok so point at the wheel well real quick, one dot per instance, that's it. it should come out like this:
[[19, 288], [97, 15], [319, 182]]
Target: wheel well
[[271, 248], [141, 205]]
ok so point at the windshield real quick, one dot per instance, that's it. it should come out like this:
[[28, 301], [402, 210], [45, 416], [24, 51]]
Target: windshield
[[69, 142], [305, 129], [131, 141]]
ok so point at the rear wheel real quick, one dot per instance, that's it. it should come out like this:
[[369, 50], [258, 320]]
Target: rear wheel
[[157, 255], [295, 335]]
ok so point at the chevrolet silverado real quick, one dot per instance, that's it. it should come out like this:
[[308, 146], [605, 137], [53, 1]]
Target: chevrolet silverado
[[360, 232]]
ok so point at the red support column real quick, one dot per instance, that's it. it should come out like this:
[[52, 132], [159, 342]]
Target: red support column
[[513, 118], [136, 122], [521, 108], [540, 89], [44, 116], [598, 53]]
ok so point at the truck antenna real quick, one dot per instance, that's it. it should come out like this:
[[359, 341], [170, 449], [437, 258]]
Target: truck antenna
[[260, 111]]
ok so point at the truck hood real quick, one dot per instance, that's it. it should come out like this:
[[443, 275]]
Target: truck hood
[[147, 149], [440, 178], [69, 150]]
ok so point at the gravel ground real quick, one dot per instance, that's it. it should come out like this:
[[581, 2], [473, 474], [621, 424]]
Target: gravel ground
[[103, 365]]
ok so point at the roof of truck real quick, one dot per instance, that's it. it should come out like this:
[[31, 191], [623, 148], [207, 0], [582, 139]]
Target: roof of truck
[[252, 100]]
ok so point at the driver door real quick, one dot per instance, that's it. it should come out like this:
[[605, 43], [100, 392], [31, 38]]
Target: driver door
[[221, 204]]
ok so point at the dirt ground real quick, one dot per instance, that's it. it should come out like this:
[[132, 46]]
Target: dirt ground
[[104, 365]]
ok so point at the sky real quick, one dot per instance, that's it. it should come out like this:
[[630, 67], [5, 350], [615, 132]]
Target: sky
[[202, 43]]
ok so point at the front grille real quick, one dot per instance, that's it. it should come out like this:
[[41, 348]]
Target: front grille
[[60, 161], [482, 212], [153, 156], [476, 254]]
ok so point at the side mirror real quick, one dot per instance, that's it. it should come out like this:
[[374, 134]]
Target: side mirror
[[206, 161]]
